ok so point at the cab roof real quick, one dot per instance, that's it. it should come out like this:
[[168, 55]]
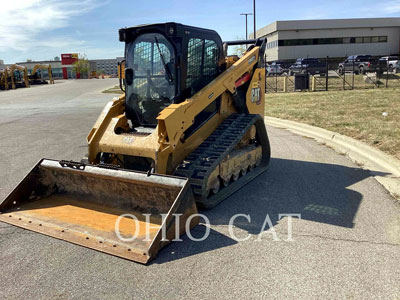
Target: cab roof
[[171, 29]]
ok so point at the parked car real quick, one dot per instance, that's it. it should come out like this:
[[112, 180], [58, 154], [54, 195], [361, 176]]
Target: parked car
[[361, 64], [274, 69], [311, 66], [392, 63]]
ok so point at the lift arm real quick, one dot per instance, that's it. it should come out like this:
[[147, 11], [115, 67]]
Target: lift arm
[[170, 131]]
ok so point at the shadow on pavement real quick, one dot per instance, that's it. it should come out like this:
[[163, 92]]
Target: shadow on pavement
[[320, 192]]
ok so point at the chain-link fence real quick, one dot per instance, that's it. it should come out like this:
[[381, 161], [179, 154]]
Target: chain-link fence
[[335, 74]]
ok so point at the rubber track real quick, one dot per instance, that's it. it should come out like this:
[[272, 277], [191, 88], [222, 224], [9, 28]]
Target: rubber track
[[198, 165]]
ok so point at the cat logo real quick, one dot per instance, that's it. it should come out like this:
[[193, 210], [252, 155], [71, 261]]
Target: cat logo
[[255, 95], [128, 139]]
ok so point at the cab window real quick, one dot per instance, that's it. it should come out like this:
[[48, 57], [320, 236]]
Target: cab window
[[202, 63]]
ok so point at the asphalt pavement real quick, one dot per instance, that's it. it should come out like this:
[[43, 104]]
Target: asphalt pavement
[[345, 246]]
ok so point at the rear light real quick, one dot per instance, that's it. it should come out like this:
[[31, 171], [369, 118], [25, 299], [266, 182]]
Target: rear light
[[246, 77], [369, 64]]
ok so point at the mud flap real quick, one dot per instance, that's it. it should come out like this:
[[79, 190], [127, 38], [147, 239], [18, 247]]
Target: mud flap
[[83, 204]]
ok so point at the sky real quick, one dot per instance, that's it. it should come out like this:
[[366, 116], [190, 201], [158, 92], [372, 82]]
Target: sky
[[42, 30]]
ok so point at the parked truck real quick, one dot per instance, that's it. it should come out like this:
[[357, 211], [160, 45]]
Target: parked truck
[[392, 63], [360, 64], [311, 66]]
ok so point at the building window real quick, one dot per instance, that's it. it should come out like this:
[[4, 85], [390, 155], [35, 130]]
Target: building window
[[332, 41], [272, 44], [359, 40], [367, 39], [383, 39], [374, 39]]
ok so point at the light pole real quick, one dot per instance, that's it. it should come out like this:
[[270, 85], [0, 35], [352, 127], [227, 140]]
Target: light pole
[[254, 15], [246, 14]]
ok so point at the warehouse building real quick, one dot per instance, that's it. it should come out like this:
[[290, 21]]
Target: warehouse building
[[107, 66], [61, 69], [289, 40], [55, 67], [67, 63], [65, 69]]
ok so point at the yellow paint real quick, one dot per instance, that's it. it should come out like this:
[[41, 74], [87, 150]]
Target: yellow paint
[[44, 67], [4, 79], [21, 69], [167, 145], [61, 208], [256, 106], [121, 70]]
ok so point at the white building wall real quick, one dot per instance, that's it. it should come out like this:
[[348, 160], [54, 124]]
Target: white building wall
[[55, 66], [109, 66], [339, 50], [272, 53], [339, 28]]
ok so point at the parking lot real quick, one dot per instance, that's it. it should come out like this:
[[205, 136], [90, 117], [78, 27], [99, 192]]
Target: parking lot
[[346, 244], [323, 74]]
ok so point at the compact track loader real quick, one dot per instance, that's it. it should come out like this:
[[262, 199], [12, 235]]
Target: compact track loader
[[187, 133]]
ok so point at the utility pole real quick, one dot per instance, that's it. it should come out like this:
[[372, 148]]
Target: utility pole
[[254, 16], [246, 14]]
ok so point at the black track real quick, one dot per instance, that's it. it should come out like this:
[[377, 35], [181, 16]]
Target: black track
[[198, 165]]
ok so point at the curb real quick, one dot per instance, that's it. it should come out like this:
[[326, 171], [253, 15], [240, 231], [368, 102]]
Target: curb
[[365, 156]]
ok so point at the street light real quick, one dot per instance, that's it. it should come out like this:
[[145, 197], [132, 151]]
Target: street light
[[246, 14], [254, 14]]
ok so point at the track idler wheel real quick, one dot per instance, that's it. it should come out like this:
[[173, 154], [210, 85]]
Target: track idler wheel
[[235, 175]]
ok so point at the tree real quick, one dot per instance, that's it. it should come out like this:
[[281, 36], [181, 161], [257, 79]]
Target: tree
[[29, 60], [56, 58], [239, 50], [82, 66]]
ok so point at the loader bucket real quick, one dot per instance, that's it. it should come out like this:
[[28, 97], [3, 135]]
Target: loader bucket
[[82, 204]]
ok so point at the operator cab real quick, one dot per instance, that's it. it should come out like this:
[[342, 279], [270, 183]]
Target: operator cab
[[166, 63]]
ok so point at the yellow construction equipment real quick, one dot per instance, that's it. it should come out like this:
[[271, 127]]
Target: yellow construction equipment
[[121, 74], [37, 74], [93, 74], [121, 69], [187, 133], [19, 76], [4, 78]]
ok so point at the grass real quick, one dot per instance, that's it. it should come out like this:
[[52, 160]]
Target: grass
[[113, 90], [275, 84], [355, 113]]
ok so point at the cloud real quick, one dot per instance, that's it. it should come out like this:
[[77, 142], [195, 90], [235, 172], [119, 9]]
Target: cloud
[[383, 8], [25, 23]]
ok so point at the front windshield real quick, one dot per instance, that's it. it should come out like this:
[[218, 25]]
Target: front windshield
[[151, 57]]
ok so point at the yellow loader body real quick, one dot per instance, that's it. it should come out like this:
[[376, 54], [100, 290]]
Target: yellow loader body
[[187, 133]]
